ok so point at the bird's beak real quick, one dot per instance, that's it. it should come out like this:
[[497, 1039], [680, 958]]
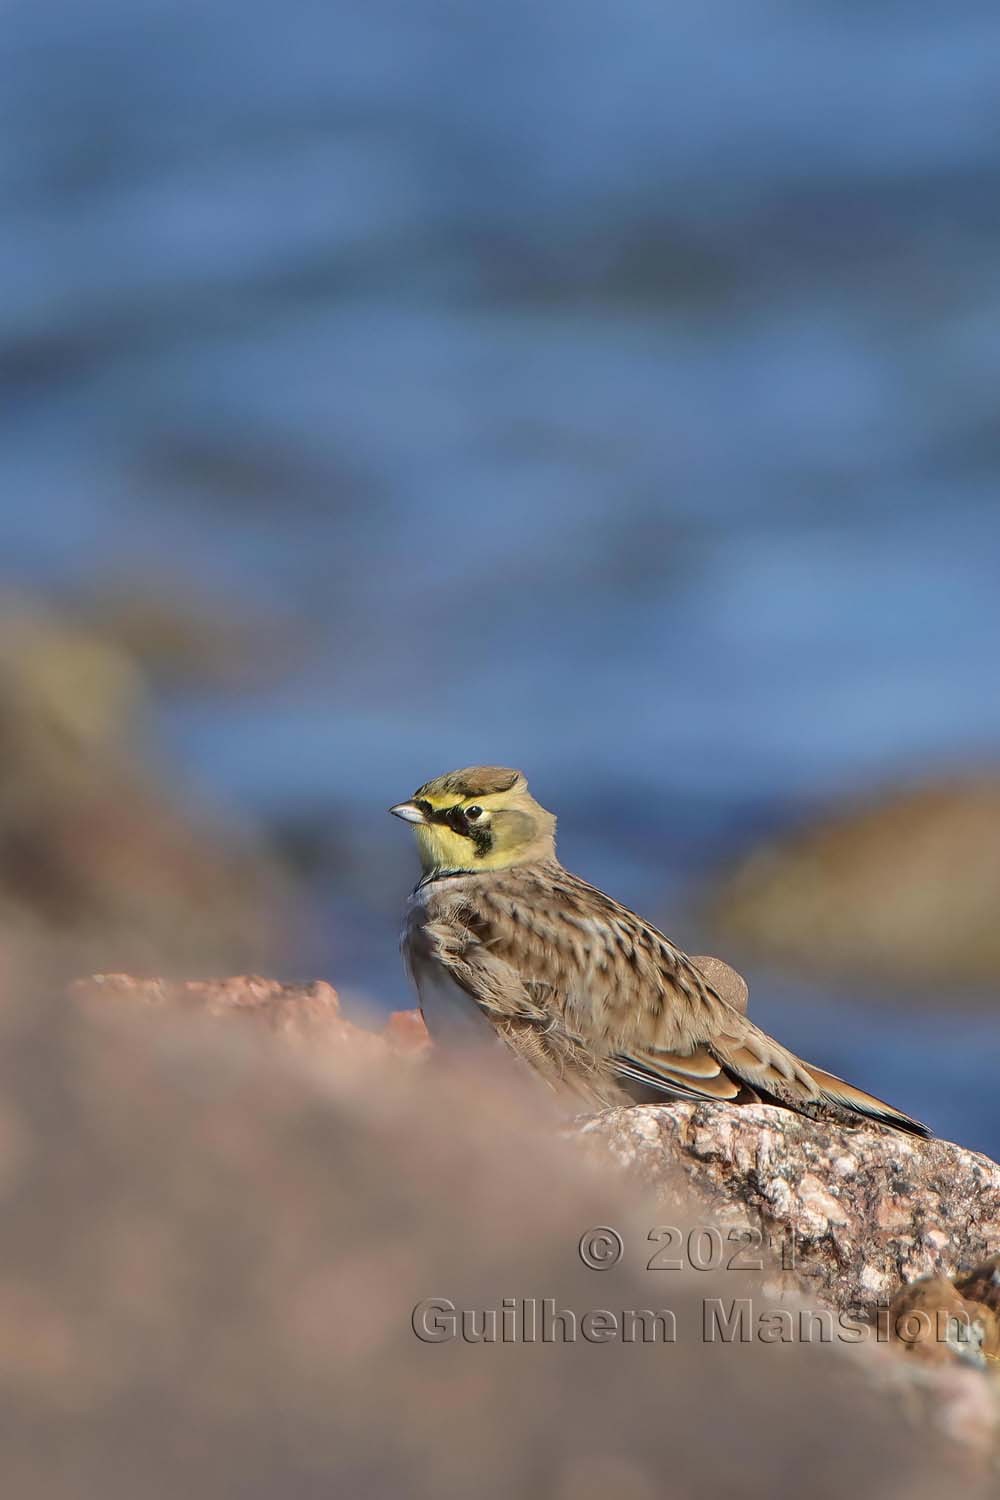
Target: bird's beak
[[408, 811]]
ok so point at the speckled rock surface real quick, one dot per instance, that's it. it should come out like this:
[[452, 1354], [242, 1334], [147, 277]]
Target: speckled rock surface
[[846, 1215]]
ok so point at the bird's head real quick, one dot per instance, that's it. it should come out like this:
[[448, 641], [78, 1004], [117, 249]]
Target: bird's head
[[482, 818]]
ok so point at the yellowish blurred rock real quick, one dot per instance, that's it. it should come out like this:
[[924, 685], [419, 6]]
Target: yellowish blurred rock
[[904, 889], [64, 692], [97, 857], [186, 636]]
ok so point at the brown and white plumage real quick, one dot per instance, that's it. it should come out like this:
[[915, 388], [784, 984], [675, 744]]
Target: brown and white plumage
[[507, 948]]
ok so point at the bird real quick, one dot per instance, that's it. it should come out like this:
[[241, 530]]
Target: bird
[[512, 954]]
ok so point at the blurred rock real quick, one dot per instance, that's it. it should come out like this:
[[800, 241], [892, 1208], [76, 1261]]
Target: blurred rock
[[905, 889], [64, 691], [956, 1399], [96, 857], [307, 1014], [215, 1257], [405, 1031], [183, 637], [846, 1214], [941, 1319]]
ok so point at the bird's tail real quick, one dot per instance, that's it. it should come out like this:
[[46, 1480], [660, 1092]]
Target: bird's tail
[[846, 1096]]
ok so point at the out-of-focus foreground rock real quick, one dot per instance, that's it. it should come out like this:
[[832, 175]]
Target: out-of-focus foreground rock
[[308, 1015], [213, 1246], [851, 1213], [905, 889]]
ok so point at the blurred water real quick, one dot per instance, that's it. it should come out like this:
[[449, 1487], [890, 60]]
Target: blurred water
[[608, 389]]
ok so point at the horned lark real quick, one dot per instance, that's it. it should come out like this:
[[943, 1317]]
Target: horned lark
[[507, 949]]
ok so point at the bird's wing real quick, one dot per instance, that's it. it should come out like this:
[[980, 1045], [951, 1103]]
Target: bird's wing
[[542, 948], [744, 1064], [724, 980], [538, 947], [668, 1022]]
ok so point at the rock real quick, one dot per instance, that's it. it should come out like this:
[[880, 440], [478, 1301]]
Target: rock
[[843, 1214], [943, 1319], [183, 636], [846, 1214], [305, 1014], [405, 1031], [100, 862], [216, 1258], [860, 892], [960, 1403]]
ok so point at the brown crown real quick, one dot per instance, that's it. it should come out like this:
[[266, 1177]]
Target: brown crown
[[472, 781]]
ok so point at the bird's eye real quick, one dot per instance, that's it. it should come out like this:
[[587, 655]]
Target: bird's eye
[[472, 813], [424, 807]]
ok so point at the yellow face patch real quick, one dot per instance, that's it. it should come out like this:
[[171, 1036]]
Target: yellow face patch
[[450, 840], [441, 848]]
